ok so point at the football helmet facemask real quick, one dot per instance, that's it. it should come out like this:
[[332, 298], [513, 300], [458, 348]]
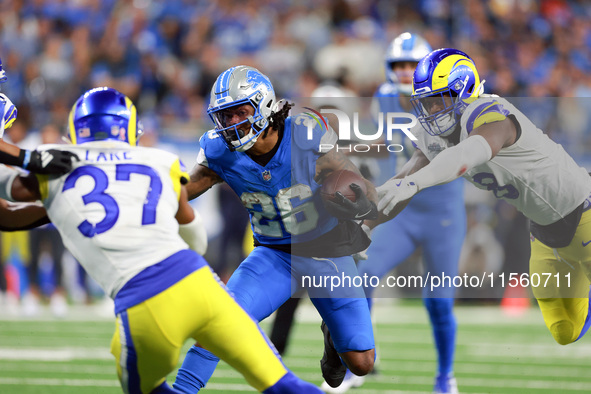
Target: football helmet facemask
[[235, 87], [104, 114], [442, 81], [407, 47]]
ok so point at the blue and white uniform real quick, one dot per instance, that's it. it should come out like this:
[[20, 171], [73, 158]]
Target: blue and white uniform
[[435, 220], [286, 210]]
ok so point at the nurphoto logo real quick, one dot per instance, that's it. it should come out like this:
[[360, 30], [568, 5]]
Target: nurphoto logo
[[394, 121]]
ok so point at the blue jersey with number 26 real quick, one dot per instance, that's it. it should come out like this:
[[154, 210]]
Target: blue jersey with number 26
[[281, 197]]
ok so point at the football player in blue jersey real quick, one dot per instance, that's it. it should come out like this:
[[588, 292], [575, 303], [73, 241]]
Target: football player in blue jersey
[[49, 162], [275, 163], [435, 220]]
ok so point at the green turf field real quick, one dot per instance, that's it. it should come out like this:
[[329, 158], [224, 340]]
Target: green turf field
[[496, 353]]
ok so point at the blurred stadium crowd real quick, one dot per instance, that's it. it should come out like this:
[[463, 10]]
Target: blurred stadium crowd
[[166, 54]]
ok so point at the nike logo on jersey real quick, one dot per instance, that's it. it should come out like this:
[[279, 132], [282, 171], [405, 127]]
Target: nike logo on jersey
[[399, 183], [586, 243]]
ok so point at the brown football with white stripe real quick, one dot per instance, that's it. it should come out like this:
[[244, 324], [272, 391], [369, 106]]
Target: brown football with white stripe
[[339, 181]]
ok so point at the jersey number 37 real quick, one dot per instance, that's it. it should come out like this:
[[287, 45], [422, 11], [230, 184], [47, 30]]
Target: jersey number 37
[[98, 194]]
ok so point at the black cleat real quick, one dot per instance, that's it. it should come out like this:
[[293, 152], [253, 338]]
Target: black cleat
[[333, 370]]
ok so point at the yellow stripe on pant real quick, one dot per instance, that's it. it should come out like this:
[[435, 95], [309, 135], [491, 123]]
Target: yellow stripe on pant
[[564, 299], [149, 336]]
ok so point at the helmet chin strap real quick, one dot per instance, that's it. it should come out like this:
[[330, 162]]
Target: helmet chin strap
[[480, 88]]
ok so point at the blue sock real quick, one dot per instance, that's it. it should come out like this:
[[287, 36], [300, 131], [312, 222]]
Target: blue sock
[[164, 388], [197, 368], [587, 320], [291, 384], [444, 326]]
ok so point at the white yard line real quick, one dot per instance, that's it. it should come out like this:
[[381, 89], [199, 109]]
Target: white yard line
[[55, 354], [59, 382]]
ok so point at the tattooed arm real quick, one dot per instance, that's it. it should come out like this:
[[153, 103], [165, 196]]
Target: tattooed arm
[[202, 179]]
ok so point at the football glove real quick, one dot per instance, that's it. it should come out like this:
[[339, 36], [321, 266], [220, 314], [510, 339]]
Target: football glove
[[51, 161], [393, 192], [343, 208]]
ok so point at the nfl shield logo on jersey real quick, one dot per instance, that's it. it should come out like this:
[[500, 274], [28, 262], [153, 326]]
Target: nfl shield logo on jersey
[[267, 175]]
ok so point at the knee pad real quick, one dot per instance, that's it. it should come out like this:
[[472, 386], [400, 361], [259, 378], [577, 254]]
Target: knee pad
[[440, 309], [358, 342]]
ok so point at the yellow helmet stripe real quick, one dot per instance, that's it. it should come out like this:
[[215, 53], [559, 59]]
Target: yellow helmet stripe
[[71, 125], [441, 72], [132, 125]]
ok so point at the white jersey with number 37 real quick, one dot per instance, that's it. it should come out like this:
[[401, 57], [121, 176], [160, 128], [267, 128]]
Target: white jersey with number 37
[[116, 209], [534, 174]]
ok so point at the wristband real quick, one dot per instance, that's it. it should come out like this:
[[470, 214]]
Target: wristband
[[27, 158]]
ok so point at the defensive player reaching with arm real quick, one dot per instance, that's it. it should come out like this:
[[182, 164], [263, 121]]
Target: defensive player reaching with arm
[[492, 144], [52, 161], [17, 217], [125, 217], [266, 157], [437, 228]]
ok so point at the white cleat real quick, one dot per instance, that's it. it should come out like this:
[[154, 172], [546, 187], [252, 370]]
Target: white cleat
[[445, 384], [351, 381], [30, 305], [58, 305]]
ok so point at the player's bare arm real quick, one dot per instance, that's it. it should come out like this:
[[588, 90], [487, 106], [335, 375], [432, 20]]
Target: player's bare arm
[[26, 188], [417, 161], [334, 161], [9, 149], [202, 179], [18, 216], [185, 214], [21, 216]]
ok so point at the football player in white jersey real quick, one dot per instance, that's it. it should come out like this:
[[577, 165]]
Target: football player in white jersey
[[123, 213], [489, 142]]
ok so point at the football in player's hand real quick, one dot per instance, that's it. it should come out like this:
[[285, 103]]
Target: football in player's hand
[[339, 181]]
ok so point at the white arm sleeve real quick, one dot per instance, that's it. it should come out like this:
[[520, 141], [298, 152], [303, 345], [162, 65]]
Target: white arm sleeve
[[194, 234], [7, 177], [453, 162], [201, 159]]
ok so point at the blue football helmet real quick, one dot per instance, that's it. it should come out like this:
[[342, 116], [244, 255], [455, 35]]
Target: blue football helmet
[[407, 47], [235, 87], [104, 114], [442, 82]]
